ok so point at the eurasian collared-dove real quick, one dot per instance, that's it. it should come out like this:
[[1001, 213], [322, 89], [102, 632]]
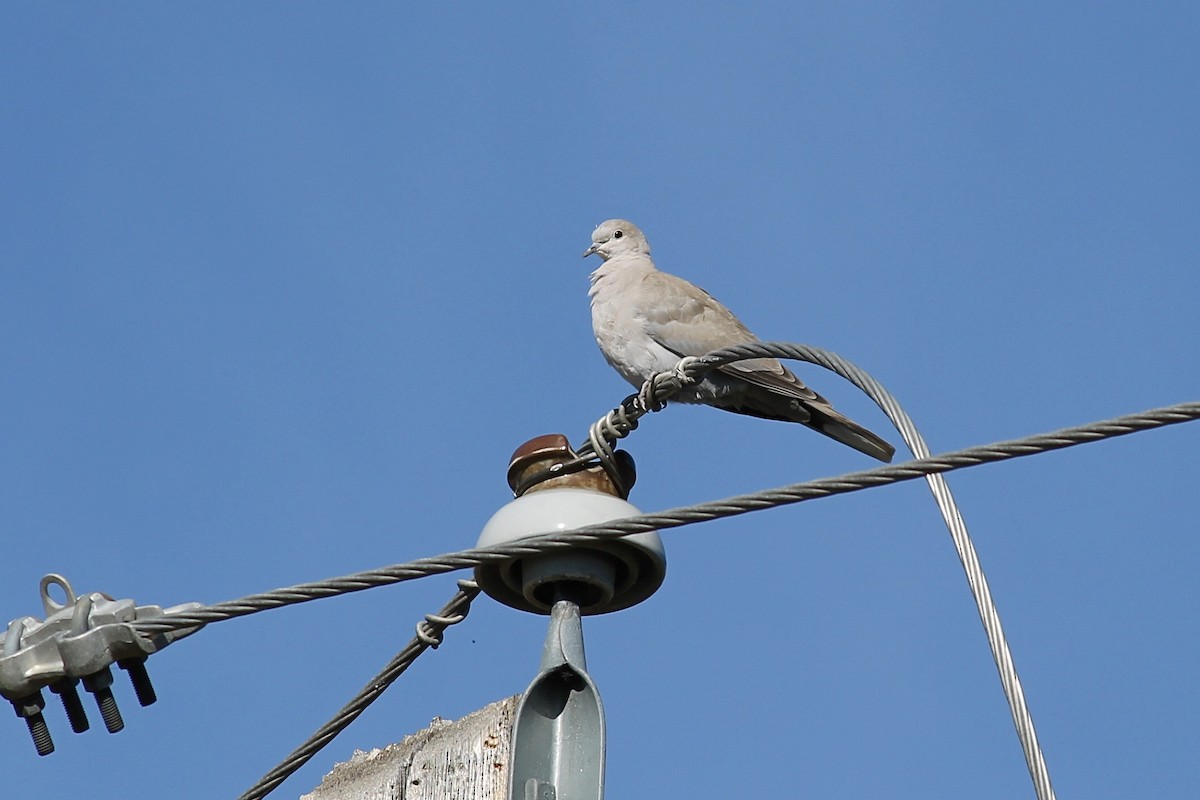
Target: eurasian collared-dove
[[646, 320]]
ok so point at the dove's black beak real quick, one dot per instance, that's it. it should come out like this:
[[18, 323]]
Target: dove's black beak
[[595, 246]]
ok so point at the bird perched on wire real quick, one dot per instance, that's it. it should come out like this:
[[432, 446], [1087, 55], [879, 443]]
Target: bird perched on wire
[[646, 320]]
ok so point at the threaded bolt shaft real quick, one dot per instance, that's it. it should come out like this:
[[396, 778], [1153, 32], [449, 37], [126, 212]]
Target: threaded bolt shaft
[[136, 667], [40, 733], [76, 715], [100, 685], [29, 708], [109, 711]]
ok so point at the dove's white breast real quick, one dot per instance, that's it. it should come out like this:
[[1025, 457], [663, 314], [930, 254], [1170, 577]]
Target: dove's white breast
[[619, 323]]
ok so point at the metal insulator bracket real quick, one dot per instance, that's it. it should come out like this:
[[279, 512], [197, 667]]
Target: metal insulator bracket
[[558, 748]]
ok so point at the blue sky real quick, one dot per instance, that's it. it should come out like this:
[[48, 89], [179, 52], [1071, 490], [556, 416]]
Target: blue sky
[[284, 284]]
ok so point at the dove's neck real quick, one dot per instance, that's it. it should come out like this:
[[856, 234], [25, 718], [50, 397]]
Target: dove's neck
[[619, 272]]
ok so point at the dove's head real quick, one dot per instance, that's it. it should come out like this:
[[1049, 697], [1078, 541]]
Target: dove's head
[[618, 237]]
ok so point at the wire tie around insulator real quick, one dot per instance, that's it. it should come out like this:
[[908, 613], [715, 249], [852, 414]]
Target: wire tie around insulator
[[683, 369], [605, 451], [618, 423], [578, 464], [614, 426], [661, 386], [647, 396]]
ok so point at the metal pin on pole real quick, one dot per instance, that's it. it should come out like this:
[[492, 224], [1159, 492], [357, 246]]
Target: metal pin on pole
[[558, 734]]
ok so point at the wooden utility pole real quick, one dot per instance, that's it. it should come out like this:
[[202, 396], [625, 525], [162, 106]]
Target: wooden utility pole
[[463, 760]]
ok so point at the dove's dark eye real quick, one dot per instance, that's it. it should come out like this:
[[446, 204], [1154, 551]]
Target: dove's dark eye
[[618, 235]]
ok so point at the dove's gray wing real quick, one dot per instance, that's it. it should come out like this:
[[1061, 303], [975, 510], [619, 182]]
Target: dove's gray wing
[[688, 321]]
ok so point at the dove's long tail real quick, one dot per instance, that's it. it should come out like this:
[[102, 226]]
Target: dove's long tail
[[778, 394], [848, 432], [814, 412]]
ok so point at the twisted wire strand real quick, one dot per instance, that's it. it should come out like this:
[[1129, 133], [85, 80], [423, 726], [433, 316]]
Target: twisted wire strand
[[976, 579], [653, 396], [677, 517], [429, 635]]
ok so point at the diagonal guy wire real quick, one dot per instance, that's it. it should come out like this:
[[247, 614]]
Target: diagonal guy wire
[[429, 634], [677, 517]]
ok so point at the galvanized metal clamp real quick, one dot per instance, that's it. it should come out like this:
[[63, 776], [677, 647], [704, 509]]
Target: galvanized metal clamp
[[78, 641]]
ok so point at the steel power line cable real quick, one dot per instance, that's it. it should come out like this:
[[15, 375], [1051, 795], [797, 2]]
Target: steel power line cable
[[678, 517]]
